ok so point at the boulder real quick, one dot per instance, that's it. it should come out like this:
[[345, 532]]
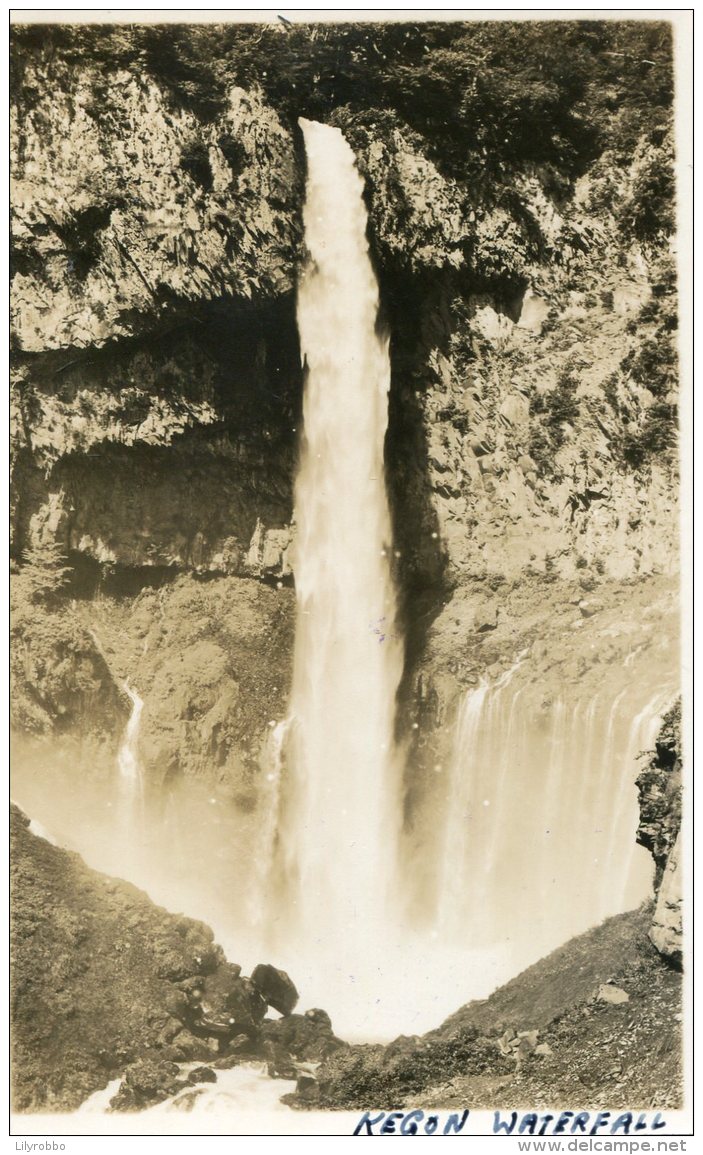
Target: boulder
[[307, 1088], [306, 1038], [187, 1047], [241, 1049], [177, 1005], [147, 1082], [246, 1005], [202, 1075], [171, 1028], [276, 987], [486, 617], [279, 1063], [609, 993]]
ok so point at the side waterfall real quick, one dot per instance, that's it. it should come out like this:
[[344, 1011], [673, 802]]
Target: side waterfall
[[541, 813], [340, 794], [128, 766]]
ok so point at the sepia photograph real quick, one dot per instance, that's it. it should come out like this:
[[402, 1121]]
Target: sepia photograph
[[349, 715]]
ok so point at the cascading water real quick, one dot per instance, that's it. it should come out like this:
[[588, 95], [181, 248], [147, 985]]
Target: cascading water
[[340, 796], [539, 836], [128, 766]]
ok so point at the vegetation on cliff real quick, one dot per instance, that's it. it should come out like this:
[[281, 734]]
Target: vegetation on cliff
[[482, 96]]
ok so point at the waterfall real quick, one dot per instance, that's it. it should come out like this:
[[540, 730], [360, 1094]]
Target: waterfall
[[260, 897], [340, 796], [340, 808], [128, 765], [541, 813]]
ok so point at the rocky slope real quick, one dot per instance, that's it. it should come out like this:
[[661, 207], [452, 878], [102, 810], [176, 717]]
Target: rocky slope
[[596, 1023], [104, 982]]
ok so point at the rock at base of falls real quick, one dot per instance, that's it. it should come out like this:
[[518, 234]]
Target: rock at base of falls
[[145, 1083], [246, 1004], [202, 1075], [303, 1038], [276, 987]]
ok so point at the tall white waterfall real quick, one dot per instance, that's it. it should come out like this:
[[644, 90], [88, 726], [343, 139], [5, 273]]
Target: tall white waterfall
[[336, 904], [340, 805]]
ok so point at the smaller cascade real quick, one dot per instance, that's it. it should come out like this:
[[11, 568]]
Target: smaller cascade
[[541, 813], [471, 833], [128, 764], [272, 767], [641, 739]]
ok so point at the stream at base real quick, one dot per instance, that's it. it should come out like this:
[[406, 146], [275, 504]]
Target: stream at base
[[245, 1088]]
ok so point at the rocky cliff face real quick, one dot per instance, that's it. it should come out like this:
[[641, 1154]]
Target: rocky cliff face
[[660, 794], [156, 387], [154, 262], [156, 245]]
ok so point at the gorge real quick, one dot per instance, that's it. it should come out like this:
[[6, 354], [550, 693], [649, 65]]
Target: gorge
[[346, 596]]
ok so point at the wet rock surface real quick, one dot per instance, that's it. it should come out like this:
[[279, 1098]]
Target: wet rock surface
[[145, 1083]]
